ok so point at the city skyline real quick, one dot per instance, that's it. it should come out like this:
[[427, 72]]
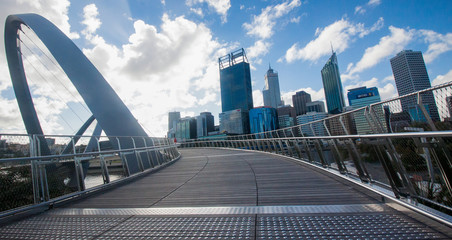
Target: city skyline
[[137, 45]]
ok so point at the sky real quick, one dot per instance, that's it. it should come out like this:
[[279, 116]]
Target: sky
[[162, 55]]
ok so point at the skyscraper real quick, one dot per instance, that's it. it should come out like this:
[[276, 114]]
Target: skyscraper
[[271, 92], [235, 82], [332, 86], [173, 117], [205, 124], [410, 75], [299, 101]]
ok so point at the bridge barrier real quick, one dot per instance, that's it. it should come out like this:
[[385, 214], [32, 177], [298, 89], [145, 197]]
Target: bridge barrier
[[403, 144], [78, 165]]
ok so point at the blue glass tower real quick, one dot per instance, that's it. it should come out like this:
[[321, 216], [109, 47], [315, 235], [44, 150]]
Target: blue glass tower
[[235, 82], [332, 86], [263, 119]]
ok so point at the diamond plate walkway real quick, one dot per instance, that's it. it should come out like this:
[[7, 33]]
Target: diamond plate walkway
[[227, 194]]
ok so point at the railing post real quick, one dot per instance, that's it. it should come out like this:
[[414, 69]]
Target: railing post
[[125, 164], [339, 159], [319, 146], [356, 157], [306, 146], [151, 164]]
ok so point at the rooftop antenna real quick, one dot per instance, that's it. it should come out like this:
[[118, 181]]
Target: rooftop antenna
[[269, 67], [332, 50]]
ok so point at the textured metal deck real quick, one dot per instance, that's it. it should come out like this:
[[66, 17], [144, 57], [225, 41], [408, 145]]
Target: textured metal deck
[[225, 194]]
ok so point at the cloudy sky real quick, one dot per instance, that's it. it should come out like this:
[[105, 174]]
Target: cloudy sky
[[162, 55]]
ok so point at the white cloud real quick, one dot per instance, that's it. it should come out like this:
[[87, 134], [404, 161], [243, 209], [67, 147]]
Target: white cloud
[[340, 34], [54, 10], [438, 44], [220, 6], [197, 11], [262, 25], [388, 46], [90, 19], [440, 79], [242, 6], [295, 19], [172, 68], [318, 95], [258, 98], [362, 8], [260, 48], [374, 2]]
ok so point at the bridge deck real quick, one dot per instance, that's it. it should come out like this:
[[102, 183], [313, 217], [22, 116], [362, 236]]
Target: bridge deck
[[227, 194]]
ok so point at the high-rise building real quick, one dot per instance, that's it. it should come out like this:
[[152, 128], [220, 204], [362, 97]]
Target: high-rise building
[[205, 124], [299, 101], [235, 82], [186, 129], [332, 86], [173, 117], [286, 116], [316, 106], [271, 92], [263, 119], [318, 129], [234, 122], [410, 75], [361, 97]]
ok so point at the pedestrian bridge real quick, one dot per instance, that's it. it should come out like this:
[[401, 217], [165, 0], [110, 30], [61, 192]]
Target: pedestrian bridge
[[218, 193]]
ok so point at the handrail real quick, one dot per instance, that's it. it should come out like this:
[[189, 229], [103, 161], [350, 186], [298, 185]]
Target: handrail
[[57, 177]]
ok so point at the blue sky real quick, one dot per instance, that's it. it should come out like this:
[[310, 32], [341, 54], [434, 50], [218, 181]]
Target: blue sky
[[162, 55]]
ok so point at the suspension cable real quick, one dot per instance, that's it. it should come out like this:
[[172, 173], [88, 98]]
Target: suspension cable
[[55, 64], [31, 64]]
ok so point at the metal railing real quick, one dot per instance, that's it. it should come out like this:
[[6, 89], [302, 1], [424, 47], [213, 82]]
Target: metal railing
[[403, 144], [77, 165]]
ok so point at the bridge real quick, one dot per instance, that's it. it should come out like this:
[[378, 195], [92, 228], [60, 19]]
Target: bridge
[[320, 180]]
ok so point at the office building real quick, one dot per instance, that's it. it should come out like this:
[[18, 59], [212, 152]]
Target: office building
[[271, 92], [316, 106], [410, 75], [204, 124], [313, 129], [361, 97], [173, 117], [234, 122], [186, 129], [235, 82], [332, 86], [299, 101], [263, 119], [286, 116]]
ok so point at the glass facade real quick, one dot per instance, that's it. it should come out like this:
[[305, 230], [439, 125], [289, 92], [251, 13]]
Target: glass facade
[[271, 92], [318, 127], [186, 129], [205, 124], [361, 97], [286, 116], [299, 100], [410, 75], [332, 86], [263, 119], [234, 122], [316, 106], [235, 82]]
